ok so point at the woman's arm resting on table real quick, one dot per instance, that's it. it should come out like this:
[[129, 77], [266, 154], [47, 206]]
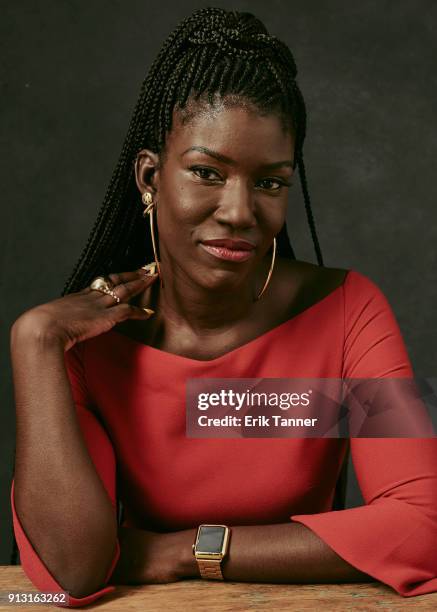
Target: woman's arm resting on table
[[280, 553]]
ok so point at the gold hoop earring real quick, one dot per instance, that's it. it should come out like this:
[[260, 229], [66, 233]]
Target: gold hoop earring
[[272, 264], [150, 206]]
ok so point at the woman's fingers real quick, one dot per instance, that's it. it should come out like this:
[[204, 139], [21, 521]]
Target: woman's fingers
[[117, 278], [124, 277], [127, 290], [140, 279]]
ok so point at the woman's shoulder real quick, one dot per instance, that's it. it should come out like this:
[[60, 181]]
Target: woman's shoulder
[[303, 281], [301, 284]]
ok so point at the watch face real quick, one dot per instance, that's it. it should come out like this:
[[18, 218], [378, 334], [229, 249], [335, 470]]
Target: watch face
[[211, 539]]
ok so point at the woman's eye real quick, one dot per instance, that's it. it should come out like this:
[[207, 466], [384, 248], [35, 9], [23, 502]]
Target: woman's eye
[[274, 184], [204, 173], [269, 184]]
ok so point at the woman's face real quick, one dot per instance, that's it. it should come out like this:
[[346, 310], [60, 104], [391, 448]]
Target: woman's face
[[225, 175]]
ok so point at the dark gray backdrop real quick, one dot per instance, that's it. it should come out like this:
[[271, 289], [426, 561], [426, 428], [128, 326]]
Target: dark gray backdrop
[[71, 73]]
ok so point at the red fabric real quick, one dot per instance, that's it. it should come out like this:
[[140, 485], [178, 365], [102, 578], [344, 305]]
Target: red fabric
[[169, 482]]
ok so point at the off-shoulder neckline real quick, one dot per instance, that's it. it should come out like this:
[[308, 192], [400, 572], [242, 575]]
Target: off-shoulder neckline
[[140, 346]]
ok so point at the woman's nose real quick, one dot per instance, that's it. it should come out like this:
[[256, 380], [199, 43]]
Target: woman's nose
[[237, 206]]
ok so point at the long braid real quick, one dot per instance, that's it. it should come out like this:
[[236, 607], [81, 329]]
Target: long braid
[[212, 52], [309, 211]]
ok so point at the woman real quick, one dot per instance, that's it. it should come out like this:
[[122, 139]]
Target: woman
[[213, 145]]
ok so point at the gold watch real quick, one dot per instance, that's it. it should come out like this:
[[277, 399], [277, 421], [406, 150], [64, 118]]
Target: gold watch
[[210, 547]]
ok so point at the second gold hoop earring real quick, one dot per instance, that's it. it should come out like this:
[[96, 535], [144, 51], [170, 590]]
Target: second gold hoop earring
[[269, 275], [149, 208]]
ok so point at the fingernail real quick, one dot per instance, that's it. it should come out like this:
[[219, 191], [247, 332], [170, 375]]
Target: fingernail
[[149, 311]]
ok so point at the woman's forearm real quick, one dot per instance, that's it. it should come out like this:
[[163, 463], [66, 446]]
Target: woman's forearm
[[286, 553], [59, 497], [280, 553]]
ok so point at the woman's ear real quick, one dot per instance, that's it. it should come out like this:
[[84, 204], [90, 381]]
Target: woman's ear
[[147, 171]]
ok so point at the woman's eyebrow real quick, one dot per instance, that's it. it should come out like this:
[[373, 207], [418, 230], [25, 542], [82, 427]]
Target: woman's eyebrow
[[231, 162]]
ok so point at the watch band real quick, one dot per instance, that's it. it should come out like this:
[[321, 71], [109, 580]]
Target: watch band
[[210, 569], [210, 547]]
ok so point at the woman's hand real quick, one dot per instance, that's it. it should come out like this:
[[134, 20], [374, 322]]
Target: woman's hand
[[87, 313], [147, 557]]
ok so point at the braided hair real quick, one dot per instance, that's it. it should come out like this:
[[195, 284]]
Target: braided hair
[[211, 53]]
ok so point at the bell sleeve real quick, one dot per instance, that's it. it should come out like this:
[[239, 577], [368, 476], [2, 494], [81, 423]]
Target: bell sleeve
[[393, 536], [102, 454]]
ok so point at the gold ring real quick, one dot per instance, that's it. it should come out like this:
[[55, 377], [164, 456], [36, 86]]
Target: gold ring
[[101, 284]]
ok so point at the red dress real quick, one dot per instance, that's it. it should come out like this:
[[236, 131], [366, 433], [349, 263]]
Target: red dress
[[167, 482]]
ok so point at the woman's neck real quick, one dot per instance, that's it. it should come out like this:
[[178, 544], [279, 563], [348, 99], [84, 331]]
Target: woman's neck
[[185, 303]]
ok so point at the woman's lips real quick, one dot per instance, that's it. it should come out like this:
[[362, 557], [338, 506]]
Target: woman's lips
[[227, 254]]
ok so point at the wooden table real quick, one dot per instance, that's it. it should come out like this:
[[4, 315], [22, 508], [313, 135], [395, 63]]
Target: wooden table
[[198, 596]]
